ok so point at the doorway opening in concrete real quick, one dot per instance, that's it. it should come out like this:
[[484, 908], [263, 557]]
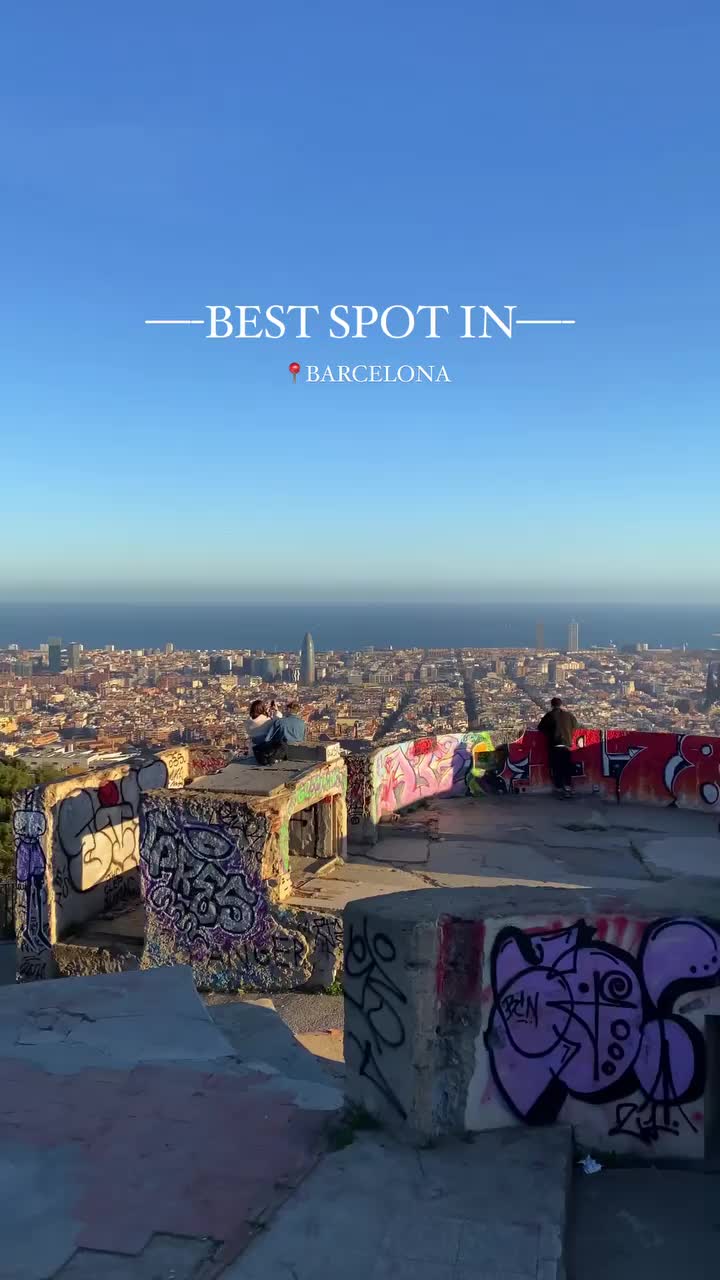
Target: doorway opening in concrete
[[318, 830], [712, 1088]]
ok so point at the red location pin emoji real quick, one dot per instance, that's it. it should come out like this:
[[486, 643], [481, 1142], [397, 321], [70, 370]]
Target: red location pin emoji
[[294, 369]]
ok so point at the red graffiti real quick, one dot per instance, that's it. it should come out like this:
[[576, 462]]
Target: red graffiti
[[423, 747], [108, 794], [458, 972], [642, 768], [202, 765]]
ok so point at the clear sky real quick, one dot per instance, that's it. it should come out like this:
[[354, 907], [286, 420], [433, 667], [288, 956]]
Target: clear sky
[[160, 157]]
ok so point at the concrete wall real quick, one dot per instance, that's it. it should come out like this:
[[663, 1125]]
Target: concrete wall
[[622, 765], [470, 1010], [214, 876], [640, 768], [78, 850], [394, 777]]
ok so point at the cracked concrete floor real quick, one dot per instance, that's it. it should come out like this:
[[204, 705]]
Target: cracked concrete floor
[[496, 841]]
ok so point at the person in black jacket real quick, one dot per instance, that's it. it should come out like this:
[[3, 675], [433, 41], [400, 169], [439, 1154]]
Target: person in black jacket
[[558, 726]]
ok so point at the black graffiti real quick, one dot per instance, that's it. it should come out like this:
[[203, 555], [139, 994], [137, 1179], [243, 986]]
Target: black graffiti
[[97, 827], [358, 787], [327, 932], [279, 951], [647, 1121], [31, 970], [575, 1016], [379, 1002], [121, 890], [61, 884], [176, 767], [201, 878], [522, 1006], [614, 763]]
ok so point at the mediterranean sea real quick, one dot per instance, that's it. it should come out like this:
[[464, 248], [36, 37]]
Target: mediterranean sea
[[355, 626]]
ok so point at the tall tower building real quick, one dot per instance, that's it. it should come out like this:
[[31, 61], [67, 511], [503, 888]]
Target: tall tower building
[[712, 686], [540, 635], [573, 636], [55, 655], [307, 660], [74, 655]]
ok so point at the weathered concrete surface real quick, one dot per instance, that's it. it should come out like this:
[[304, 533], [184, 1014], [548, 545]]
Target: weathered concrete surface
[[77, 845], [455, 1020], [644, 1224], [682, 856], [213, 874], [129, 1117], [250, 779], [262, 1042], [494, 1208]]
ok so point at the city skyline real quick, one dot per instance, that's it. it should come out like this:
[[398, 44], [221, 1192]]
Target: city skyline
[[114, 702], [136, 185]]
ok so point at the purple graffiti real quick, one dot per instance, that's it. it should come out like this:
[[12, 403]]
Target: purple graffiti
[[573, 1016], [29, 826]]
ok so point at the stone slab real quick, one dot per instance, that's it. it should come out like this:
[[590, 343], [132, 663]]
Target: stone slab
[[174, 1257], [495, 1207], [118, 1162], [252, 779], [116, 1020], [682, 856]]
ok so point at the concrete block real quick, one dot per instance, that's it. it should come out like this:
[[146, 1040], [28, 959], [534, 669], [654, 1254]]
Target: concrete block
[[449, 994]]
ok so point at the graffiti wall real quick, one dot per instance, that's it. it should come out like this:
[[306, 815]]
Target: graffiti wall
[[212, 871], [641, 768], [599, 1023], [32, 917], [77, 845], [406, 772], [376, 1012]]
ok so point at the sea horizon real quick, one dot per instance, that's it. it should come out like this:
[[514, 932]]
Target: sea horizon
[[280, 625]]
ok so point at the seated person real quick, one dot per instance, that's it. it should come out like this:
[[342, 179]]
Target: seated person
[[275, 735], [294, 728], [257, 719]]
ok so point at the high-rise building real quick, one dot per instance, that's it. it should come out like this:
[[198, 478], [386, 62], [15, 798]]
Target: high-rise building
[[573, 636], [307, 660], [169, 648], [74, 655], [220, 665], [268, 668], [55, 655], [540, 635], [712, 685]]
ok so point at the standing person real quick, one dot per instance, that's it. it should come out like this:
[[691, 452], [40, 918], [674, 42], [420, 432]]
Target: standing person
[[558, 726]]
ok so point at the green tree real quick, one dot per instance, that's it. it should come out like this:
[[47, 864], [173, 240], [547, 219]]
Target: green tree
[[17, 775]]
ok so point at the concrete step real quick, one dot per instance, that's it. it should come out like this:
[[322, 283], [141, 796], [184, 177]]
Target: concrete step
[[494, 1208]]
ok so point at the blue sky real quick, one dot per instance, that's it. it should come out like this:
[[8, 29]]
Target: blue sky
[[159, 158]]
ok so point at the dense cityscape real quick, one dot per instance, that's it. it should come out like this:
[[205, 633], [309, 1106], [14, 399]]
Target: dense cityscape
[[63, 704]]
